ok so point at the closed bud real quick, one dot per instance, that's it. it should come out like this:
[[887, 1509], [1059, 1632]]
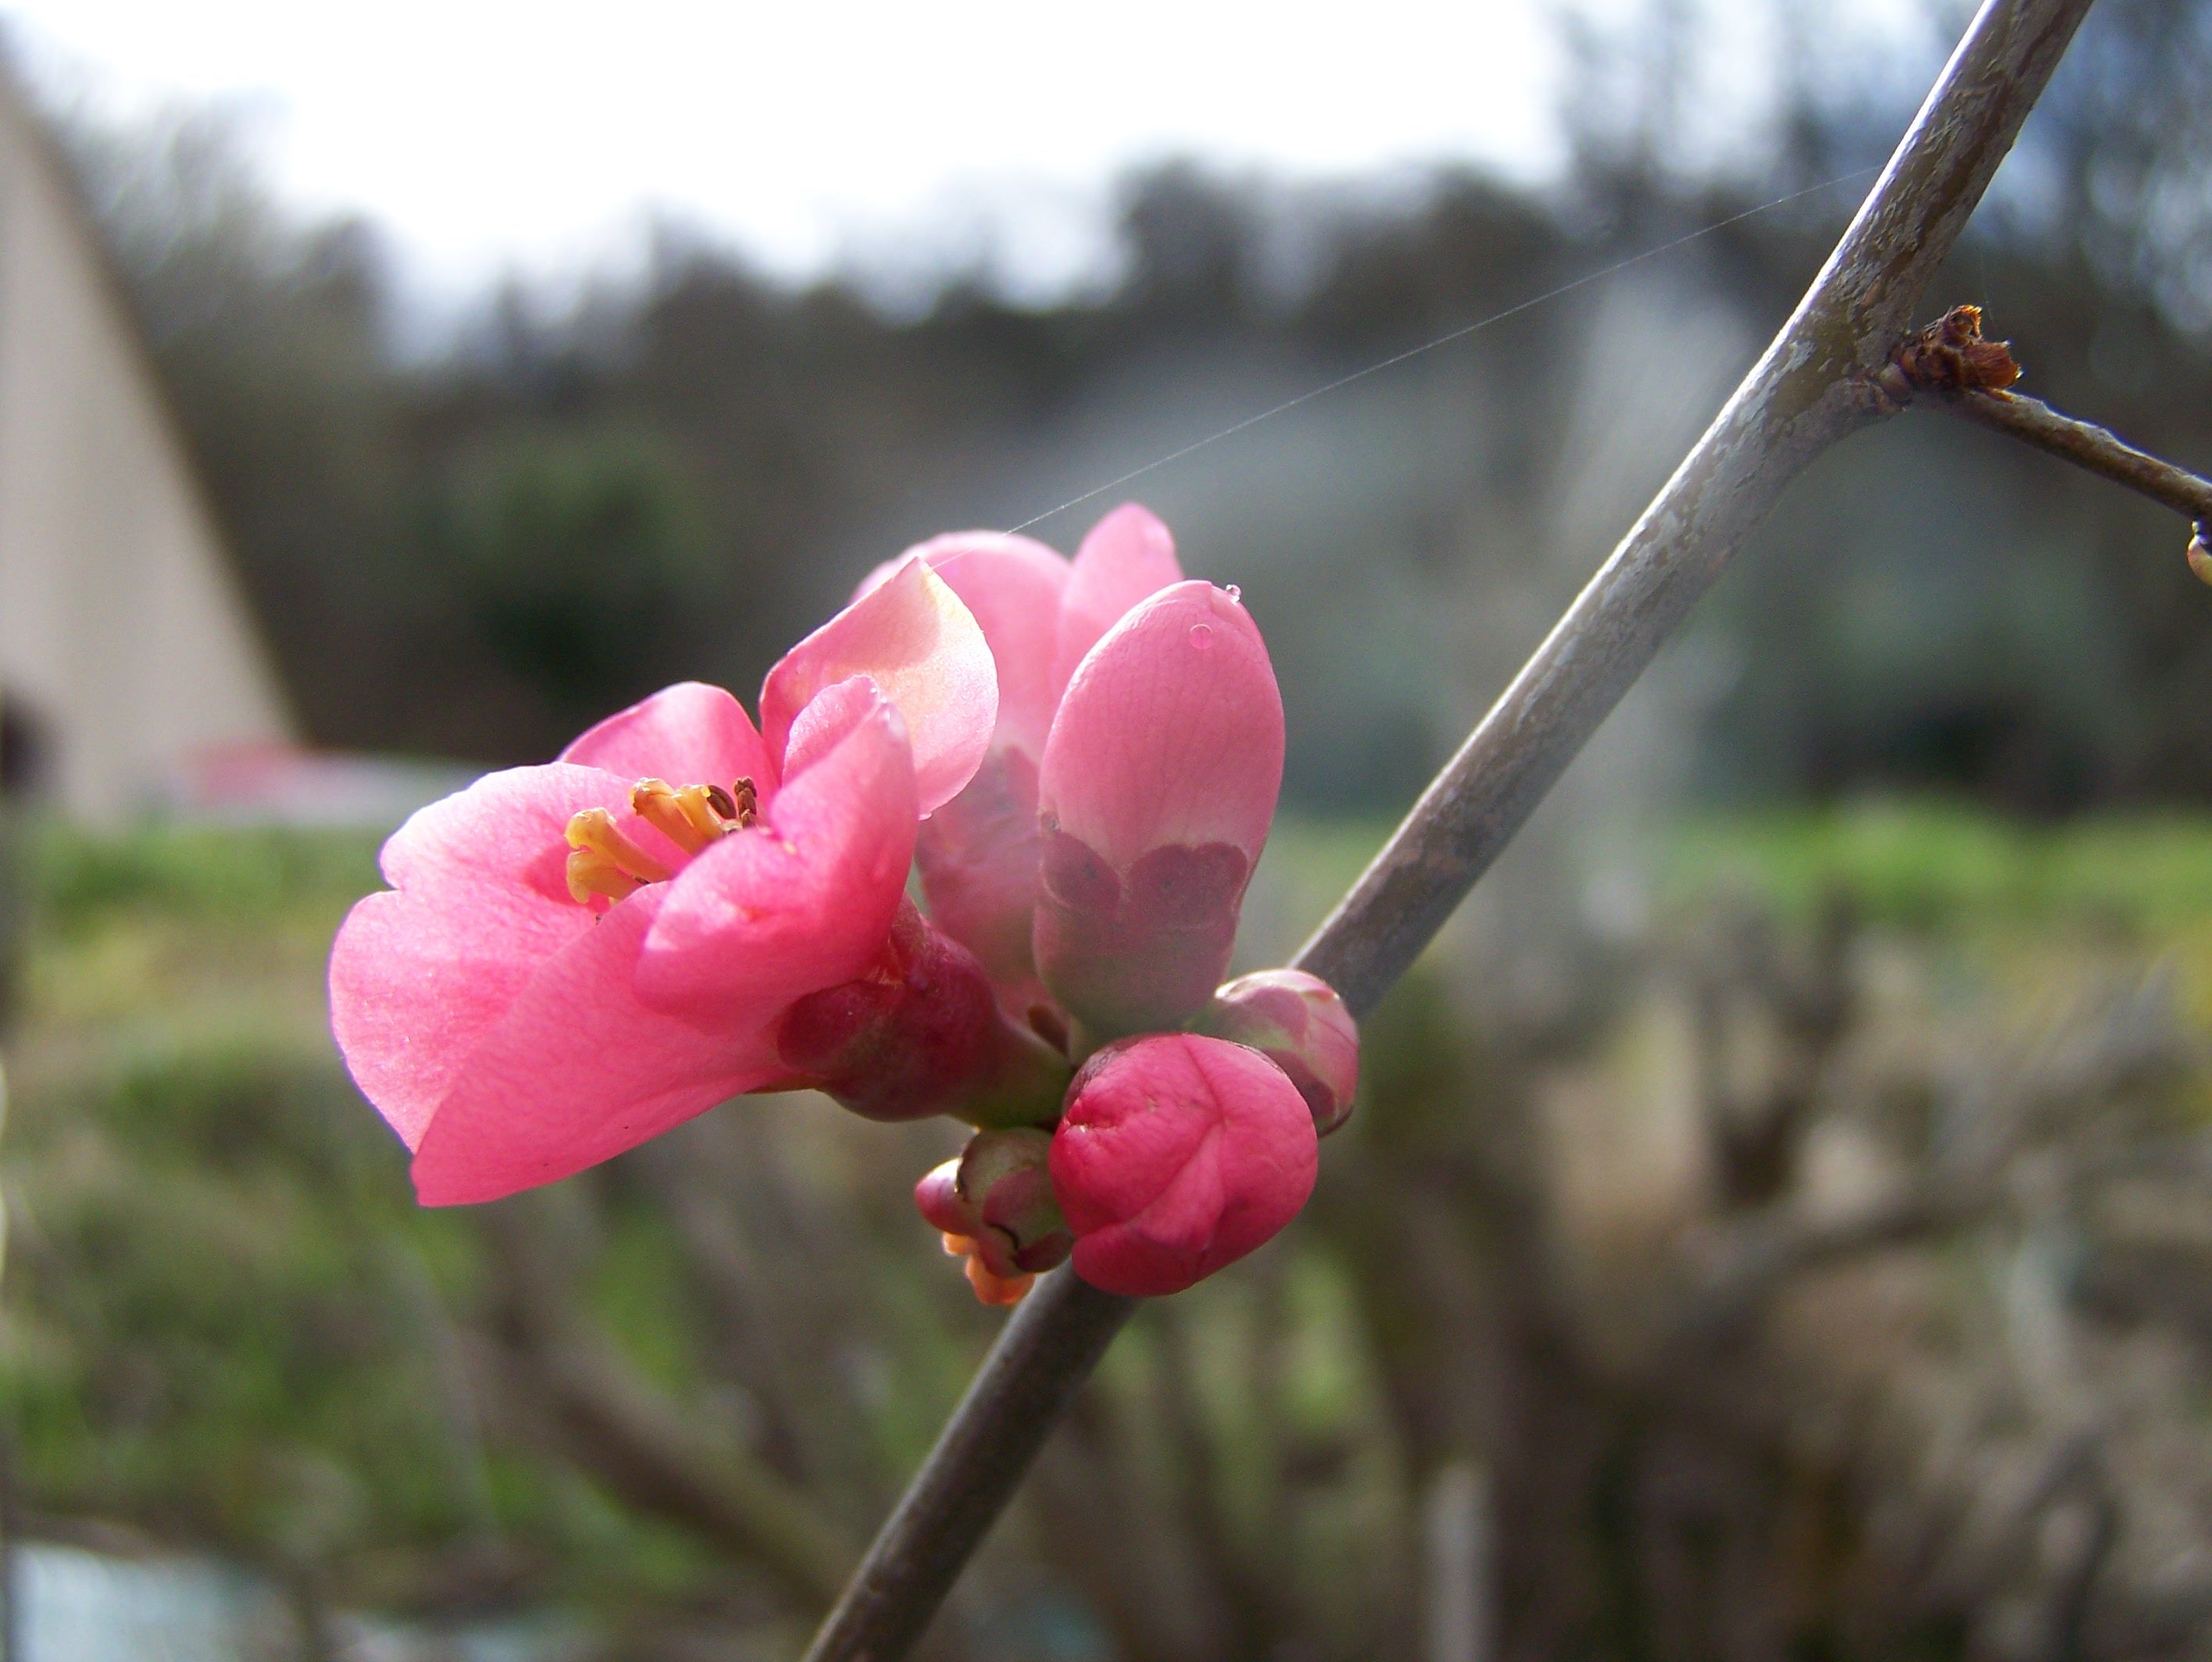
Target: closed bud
[[1154, 796], [994, 1206], [1178, 1153], [1298, 1022]]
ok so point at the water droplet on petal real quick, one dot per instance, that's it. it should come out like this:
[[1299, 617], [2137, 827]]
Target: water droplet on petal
[[1201, 635], [1234, 592]]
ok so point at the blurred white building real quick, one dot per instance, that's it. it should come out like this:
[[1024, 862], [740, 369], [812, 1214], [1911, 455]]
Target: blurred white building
[[128, 655]]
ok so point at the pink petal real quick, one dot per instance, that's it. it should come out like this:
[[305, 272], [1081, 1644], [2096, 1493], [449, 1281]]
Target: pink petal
[[1013, 587], [830, 718], [419, 976], [977, 854], [577, 1071], [687, 734], [936, 1196], [978, 860], [913, 639], [804, 899], [1170, 733], [1127, 556], [505, 830], [1158, 783], [1178, 1154]]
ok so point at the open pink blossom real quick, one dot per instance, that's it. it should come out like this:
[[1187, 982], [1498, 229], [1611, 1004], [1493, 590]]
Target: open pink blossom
[[1178, 1154], [576, 957]]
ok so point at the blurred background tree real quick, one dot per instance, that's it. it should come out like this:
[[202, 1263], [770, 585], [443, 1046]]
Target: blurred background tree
[[576, 558], [1961, 614]]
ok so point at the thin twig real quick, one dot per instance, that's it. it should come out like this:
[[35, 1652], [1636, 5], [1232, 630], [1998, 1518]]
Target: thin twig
[[1813, 386], [2088, 445], [1971, 377], [570, 1381], [1048, 1348]]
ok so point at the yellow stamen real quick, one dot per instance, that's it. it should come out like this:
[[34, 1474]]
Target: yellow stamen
[[690, 818], [697, 815], [594, 876], [605, 864], [593, 831]]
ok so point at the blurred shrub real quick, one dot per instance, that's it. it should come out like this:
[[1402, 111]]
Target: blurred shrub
[[197, 872], [1939, 865]]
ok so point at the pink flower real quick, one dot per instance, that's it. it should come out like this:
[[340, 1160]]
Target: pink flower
[[1099, 858], [1178, 1154], [576, 957], [1298, 1022]]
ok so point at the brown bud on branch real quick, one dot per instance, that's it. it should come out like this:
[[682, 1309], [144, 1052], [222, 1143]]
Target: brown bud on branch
[[1951, 355]]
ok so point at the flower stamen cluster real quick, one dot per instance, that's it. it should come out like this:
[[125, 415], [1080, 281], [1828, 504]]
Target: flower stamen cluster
[[697, 815], [605, 864]]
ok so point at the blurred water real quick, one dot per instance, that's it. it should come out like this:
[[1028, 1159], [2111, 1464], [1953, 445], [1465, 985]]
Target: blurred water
[[72, 1605], [75, 1606]]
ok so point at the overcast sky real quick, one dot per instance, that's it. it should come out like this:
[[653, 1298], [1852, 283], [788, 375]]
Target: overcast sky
[[485, 136]]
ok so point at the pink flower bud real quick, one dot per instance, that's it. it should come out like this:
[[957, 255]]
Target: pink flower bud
[[1154, 796], [1298, 1022], [921, 1033], [1178, 1154], [994, 1206], [936, 1198], [1127, 556]]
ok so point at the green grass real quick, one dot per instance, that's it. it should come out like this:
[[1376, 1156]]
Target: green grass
[[1929, 865], [236, 876]]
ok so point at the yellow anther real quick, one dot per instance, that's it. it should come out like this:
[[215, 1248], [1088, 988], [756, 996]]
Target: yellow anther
[[688, 818], [593, 831]]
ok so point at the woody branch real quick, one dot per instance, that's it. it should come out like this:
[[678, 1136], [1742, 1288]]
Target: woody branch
[[1816, 384]]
